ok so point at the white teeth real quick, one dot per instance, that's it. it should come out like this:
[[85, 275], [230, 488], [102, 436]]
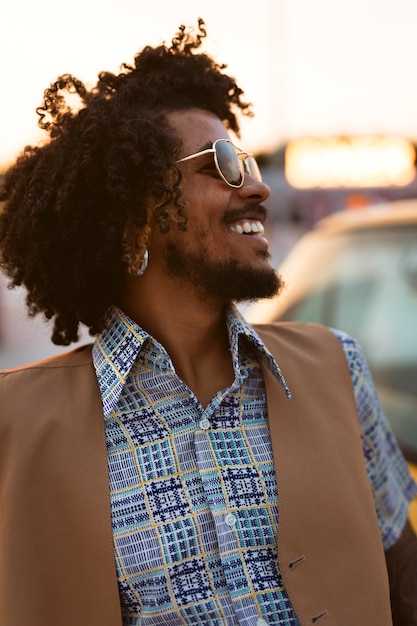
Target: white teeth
[[248, 227]]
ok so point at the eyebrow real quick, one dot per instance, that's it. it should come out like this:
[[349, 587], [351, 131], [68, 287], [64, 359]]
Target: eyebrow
[[207, 146]]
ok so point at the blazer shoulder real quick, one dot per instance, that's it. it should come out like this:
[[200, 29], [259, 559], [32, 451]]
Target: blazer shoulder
[[292, 330], [78, 357]]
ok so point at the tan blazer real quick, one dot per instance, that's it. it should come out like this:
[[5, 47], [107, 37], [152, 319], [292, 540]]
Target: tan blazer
[[57, 563]]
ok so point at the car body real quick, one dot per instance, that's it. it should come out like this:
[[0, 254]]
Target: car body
[[357, 271]]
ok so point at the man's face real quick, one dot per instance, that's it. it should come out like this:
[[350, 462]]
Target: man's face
[[215, 256]]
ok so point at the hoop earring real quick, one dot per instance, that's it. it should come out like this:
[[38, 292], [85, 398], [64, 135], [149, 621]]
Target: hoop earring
[[142, 268]]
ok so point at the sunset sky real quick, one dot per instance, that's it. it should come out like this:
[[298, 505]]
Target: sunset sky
[[310, 68]]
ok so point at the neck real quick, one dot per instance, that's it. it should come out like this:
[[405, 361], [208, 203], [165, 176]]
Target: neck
[[192, 330]]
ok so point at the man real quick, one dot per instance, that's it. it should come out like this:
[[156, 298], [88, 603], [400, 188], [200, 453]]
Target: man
[[173, 473]]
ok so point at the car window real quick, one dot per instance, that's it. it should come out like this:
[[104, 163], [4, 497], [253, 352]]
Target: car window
[[365, 283]]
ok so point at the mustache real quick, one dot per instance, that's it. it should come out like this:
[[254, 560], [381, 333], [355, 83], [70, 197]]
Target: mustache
[[253, 210]]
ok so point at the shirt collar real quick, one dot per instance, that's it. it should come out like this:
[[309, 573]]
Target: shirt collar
[[239, 327], [115, 351]]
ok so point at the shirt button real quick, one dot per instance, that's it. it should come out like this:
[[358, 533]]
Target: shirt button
[[205, 424], [230, 519], [261, 622]]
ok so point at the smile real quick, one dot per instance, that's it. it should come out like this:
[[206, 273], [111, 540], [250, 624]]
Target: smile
[[247, 227]]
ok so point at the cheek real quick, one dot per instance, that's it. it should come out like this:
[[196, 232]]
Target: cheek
[[205, 218], [204, 195]]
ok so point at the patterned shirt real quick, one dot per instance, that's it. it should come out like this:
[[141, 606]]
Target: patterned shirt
[[193, 493]]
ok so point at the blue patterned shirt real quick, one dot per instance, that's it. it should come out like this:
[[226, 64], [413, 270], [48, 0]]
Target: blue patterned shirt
[[193, 491]]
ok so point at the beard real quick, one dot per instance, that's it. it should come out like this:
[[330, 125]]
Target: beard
[[228, 280]]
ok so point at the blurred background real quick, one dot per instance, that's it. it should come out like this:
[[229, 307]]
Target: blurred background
[[333, 84]]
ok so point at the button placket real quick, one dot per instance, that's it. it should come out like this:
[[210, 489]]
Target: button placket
[[230, 520], [204, 423]]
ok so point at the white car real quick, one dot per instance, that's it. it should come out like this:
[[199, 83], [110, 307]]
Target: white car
[[357, 271]]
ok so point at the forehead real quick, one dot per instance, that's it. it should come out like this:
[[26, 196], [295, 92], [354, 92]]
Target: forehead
[[196, 128]]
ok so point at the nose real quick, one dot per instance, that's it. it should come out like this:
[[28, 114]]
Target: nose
[[254, 189]]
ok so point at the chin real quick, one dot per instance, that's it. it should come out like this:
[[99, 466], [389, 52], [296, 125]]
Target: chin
[[248, 285], [228, 280]]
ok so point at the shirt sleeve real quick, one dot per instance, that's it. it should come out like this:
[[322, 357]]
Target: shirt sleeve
[[391, 483]]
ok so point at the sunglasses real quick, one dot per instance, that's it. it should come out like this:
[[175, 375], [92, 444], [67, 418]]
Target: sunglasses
[[231, 163]]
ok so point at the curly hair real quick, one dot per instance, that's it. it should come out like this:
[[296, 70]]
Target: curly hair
[[76, 206]]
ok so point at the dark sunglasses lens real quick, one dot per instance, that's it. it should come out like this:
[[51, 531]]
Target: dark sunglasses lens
[[252, 168], [229, 163]]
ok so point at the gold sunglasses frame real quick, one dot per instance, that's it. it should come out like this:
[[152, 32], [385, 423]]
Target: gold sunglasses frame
[[242, 158]]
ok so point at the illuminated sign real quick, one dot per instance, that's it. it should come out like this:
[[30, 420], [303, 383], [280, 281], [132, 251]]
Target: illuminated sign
[[350, 162]]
